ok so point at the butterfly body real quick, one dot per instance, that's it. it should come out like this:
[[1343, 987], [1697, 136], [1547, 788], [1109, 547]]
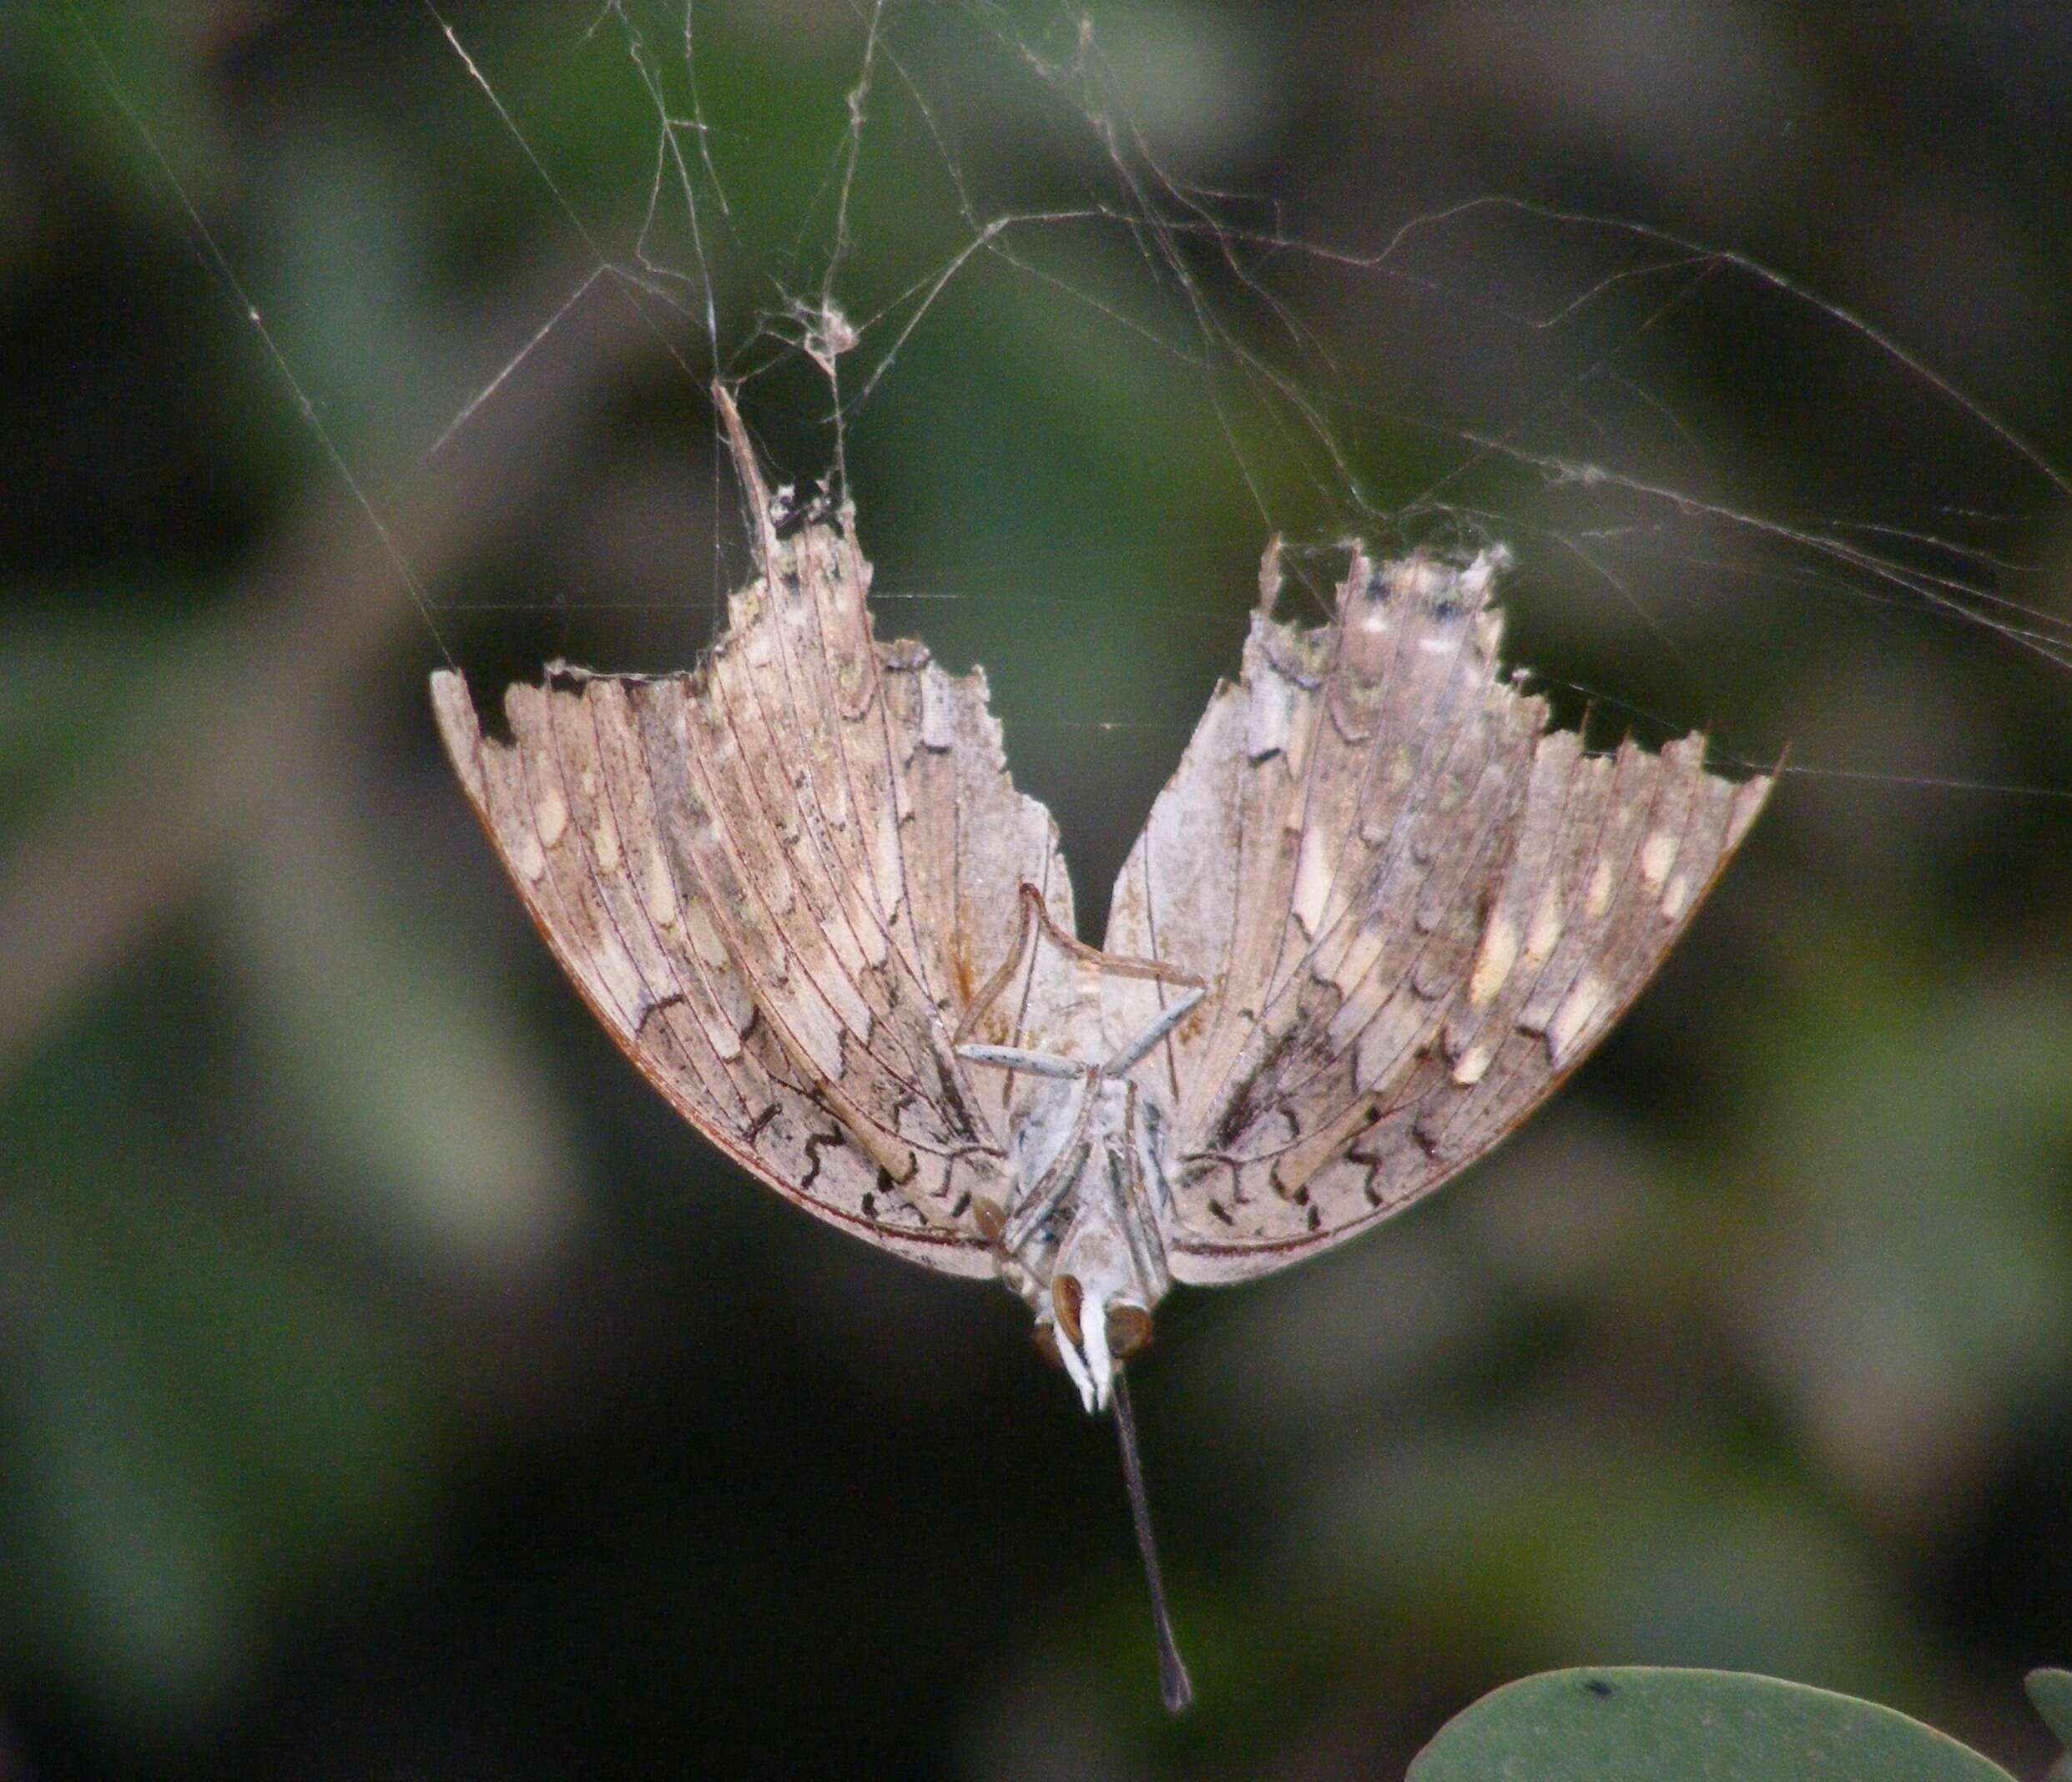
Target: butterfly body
[[1083, 1237]]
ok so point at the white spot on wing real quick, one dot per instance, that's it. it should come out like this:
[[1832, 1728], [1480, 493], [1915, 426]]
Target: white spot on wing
[[551, 812], [814, 1033], [1493, 962], [1312, 881], [1599, 898], [889, 867], [657, 888], [1360, 955], [1746, 802], [721, 1034], [705, 937], [1579, 1008], [1472, 1065]]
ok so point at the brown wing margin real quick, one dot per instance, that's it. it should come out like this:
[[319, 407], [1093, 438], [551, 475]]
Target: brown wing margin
[[1437, 909]]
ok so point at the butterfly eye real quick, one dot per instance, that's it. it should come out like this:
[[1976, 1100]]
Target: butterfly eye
[[1129, 1330], [1065, 1298], [990, 1216]]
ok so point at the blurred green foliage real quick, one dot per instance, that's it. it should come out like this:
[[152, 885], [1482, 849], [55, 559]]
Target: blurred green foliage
[[387, 1383]]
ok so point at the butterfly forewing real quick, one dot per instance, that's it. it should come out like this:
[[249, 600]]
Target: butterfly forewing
[[1418, 910], [777, 880]]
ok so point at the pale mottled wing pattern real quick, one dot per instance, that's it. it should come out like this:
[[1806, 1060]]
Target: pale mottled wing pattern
[[1417, 909], [777, 880]]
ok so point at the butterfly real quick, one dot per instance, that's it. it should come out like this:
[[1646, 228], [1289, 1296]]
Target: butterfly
[[1380, 910]]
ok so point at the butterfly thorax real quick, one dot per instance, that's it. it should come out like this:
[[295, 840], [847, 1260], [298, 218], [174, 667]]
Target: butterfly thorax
[[1083, 1237]]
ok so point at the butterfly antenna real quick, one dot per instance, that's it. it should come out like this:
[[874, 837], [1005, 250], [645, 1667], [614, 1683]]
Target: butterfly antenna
[[1173, 1671]]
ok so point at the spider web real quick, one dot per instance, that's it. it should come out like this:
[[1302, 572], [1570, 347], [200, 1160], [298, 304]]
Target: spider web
[[1545, 423], [1482, 369]]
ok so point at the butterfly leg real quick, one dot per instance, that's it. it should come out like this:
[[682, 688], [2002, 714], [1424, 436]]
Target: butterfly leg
[[1140, 1048], [1036, 915], [1060, 1175], [1013, 1058]]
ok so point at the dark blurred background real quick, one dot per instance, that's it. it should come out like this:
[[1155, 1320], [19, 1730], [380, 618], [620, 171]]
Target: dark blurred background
[[389, 1387]]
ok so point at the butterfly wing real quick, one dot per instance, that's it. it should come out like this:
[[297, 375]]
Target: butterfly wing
[[1418, 909], [777, 880]]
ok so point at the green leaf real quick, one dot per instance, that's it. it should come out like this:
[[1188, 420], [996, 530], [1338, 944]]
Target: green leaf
[[1645, 1725], [2050, 1691]]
